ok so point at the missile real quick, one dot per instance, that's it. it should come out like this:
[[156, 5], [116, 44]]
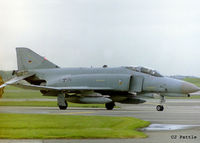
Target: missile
[[175, 95], [95, 100], [132, 100], [88, 100]]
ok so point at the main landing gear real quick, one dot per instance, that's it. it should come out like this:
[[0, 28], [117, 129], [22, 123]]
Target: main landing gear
[[110, 105], [63, 107], [62, 103], [161, 107]]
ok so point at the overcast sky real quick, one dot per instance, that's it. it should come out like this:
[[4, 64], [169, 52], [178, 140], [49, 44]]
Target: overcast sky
[[163, 35]]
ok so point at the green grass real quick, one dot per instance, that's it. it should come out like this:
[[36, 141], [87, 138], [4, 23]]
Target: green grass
[[195, 81], [12, 92], [35, 126], [29, 103], [47, 104]]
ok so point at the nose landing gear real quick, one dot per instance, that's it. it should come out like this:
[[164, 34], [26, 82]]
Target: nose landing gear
[[160, 108], [162, 101]]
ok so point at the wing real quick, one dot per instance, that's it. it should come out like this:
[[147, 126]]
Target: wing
[[74, 88]]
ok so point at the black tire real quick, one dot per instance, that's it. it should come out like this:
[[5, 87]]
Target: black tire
[[160, 108], [110, 106], [63, 107]]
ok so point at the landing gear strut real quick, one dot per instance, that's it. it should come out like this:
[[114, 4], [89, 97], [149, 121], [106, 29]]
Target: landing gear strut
[[63, 107], [62, 103], [161, 107], [110, 106]]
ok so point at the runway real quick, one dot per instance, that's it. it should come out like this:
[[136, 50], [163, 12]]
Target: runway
[[177, 112]]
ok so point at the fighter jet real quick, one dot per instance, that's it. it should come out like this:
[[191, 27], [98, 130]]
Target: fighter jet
[[104, 85]]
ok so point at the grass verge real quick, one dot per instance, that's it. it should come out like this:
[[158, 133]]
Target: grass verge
[[195, 81], [35, 126], [11, 92], [47, 104]]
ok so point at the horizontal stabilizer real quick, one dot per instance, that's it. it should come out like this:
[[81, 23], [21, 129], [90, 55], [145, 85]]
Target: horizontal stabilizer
[[15, 79]]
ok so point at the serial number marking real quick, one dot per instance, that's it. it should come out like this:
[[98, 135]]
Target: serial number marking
[[184, 137]]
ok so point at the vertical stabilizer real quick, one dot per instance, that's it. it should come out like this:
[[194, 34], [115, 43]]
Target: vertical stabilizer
[[27, 60]]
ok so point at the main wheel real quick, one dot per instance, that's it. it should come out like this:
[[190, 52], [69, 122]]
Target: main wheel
[[110, 106], [63, 107], [160, 108]]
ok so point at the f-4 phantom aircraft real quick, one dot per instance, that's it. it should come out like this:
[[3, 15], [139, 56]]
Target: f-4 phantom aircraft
[[128, 85]]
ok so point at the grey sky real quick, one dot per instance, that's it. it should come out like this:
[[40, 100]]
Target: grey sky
[[163, 35]]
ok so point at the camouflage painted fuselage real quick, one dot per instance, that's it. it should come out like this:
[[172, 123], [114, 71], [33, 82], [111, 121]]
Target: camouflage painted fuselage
[[120, 83]]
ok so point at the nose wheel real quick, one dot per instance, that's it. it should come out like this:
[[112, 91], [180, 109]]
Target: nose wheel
[[160, 108], [162, 101]]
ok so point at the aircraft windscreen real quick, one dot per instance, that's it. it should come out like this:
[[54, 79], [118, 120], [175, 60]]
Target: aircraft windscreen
[[146, 71]]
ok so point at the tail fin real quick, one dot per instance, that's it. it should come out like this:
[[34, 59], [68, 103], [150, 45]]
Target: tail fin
[[27, 60]]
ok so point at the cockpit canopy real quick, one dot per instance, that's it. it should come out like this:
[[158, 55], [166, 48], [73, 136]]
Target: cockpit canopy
[[145, 70]]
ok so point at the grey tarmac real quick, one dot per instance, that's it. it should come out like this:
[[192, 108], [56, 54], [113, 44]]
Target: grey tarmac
[[177, 112]]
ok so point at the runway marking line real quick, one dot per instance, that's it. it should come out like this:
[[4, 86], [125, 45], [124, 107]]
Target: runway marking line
[[150, 103], [78, 113]]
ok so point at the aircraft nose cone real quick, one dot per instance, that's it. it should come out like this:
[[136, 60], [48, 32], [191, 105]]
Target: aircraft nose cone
[[189, 88]]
